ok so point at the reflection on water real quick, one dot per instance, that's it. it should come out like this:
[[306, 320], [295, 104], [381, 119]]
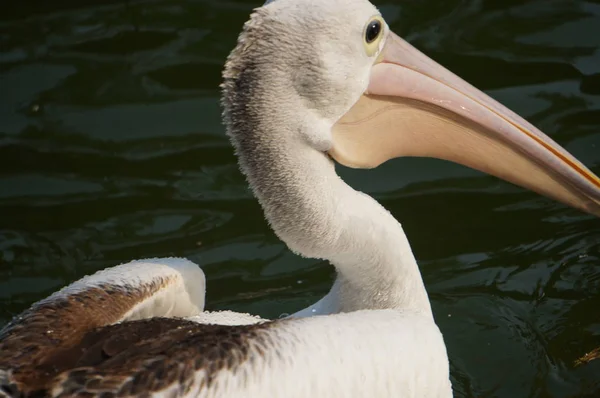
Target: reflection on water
[[111, 148]]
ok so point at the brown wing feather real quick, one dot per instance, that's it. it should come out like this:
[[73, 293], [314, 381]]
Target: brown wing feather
[[134, 358], [74, 340], [44, 331]]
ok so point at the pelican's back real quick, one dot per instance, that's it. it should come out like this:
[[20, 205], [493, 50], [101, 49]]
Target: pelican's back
[[147, 348]]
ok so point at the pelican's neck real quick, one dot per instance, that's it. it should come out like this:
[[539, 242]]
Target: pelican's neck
[[319, 216]]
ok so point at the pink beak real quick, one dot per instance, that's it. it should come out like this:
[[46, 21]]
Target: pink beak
[[416, 107]]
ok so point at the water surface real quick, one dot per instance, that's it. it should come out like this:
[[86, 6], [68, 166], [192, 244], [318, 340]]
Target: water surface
[[112, 148]]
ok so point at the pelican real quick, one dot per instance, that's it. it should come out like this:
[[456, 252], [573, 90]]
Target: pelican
[[310, 82]]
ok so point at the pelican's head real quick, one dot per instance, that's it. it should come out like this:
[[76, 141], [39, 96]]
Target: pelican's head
[[311, 58], [364, 96]]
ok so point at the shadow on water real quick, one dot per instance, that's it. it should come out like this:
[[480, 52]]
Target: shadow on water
[[112, 148]]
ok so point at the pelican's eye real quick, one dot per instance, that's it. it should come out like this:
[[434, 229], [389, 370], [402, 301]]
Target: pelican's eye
[[372, 31], [373, 34]]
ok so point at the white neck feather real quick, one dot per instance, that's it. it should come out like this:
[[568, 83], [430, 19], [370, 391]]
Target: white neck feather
[[319, 216]]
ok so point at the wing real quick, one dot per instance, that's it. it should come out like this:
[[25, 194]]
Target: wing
[[147, 357], [32, 343]]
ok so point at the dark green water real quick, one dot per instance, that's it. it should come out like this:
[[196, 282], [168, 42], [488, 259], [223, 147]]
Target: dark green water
[[111, 148]]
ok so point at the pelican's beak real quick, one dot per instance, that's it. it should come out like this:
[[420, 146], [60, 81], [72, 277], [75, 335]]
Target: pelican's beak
[[416, 107]]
